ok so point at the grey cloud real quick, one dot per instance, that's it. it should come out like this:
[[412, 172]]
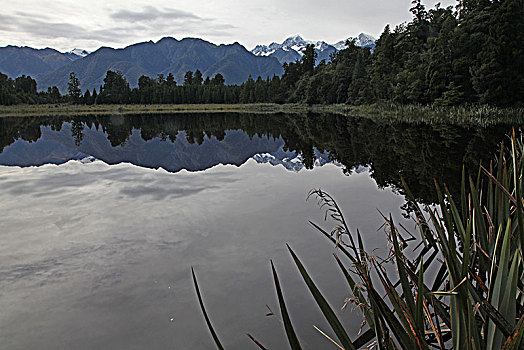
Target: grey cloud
[[150, 13], [130, 26], [7, 22], [31, 15], [172, 21], [39, 26]]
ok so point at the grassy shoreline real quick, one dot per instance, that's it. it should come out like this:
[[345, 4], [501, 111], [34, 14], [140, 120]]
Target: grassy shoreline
[[473, 114]]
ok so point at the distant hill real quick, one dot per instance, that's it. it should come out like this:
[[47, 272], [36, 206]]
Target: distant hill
[[291, 49], [168, 55], [16, 61]]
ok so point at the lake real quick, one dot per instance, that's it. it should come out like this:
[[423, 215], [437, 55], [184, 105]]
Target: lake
[[103, 218]]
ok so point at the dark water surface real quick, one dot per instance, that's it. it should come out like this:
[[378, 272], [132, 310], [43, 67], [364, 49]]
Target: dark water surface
[[102, 218]]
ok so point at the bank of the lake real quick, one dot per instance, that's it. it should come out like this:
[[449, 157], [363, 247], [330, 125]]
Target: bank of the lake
[[474, 114]]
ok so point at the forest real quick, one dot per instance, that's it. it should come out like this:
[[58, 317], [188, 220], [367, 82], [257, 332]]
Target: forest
[[468, 54]]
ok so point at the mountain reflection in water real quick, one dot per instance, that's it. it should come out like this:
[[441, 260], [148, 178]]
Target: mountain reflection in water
[[419, 153]]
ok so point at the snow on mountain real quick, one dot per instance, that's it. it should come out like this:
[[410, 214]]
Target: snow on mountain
[[362, 40], [341, 45], [293, 43], [292, 160], [292, 47], [79, 52]]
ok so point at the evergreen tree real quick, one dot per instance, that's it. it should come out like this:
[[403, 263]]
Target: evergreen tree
[[440, 73], [54, 94], [170, 80], [115, 88], [73, 88], [385, 67], [197, 78], [218, 80], [188, 78], [94, 96], [87, 98], [309, 58]]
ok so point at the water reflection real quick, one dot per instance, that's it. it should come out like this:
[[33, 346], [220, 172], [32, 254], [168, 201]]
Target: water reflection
[[198, 141], [98, 257]]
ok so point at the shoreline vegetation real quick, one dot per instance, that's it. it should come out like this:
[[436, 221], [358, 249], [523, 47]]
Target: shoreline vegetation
[[477, 114]]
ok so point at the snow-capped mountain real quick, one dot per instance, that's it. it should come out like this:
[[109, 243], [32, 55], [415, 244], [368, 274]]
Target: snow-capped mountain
[[362, 40], [295, 43], [293, 161], [291, 49], [79, 52]]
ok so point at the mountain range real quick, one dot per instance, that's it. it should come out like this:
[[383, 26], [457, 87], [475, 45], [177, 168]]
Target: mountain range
[[167, 55], [58, 147], [291, 49], [16, 61], [50, 67]]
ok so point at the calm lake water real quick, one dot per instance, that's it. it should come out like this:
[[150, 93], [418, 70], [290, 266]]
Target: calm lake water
[[103, 217]]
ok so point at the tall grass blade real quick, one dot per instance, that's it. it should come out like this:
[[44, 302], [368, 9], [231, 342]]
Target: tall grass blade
[[403, 313], [503, 325], [290, 332], [406, 288], [514, 342], [323, 305], [379, 306], [504, 288], [424, 229], [517, 179], [364, 338], [328, 337], [213, 334], [260, 346], [419, 316]]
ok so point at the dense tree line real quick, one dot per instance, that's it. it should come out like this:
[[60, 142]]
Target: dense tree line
[[23, 90], [471, 53]]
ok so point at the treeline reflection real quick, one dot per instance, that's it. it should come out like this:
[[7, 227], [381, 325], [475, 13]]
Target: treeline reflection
[[419, 153]]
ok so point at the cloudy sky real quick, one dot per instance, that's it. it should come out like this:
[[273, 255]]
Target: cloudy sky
[[89, 24]]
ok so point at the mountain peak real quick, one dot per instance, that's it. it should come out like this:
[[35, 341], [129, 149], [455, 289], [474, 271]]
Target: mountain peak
[[166, 38], [78, 52], [294, 40], [292, 48], [362, 40]]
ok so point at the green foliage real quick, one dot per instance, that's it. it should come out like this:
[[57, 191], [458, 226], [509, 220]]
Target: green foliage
[[188, 78], [197, 78], [115, 89], [309, 58], [478, 303], [23, 89], [73, 88]]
